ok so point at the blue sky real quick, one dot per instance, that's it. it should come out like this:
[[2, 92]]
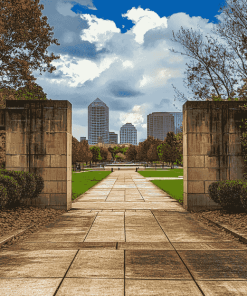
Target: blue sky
[[118, 51]]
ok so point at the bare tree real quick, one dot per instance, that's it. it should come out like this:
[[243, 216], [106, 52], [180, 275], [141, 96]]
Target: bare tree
[[212, 70]]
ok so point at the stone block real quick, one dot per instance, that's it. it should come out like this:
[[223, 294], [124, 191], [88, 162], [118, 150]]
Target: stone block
[[39, 140]]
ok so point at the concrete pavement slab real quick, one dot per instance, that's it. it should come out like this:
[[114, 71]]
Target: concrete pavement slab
[[35, 264], [214, 265], [154, 264], [208, 246], [171, 205], [113, 197], [91, 287], [29, 286], [144, 246], [141, 226], [223, 287], [107, 228], [134, 198], [74, 237], [64, 230], [161, 287], [149, 247], [180, 228], [125, 186], [97, 192], [108, 264], [32, 246]]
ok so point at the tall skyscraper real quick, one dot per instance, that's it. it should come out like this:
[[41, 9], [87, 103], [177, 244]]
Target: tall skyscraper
[[128, 134], [113, 138], [98, 122], [159, 124]]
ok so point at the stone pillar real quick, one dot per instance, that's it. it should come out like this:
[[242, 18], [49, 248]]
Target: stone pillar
[[39, 140], [211, 149]]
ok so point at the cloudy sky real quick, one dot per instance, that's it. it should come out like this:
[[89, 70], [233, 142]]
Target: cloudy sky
[[118, 51]]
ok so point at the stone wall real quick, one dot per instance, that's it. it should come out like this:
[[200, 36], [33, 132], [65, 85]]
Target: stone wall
[[39, 140], [2, 138], [211, 149]]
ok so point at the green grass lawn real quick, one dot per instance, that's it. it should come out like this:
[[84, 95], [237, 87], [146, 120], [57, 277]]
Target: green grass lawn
[[162, 173], [173, 187], [81, 182]]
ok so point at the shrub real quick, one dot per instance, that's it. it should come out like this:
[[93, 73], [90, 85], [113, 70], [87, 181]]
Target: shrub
[[243, 196], [3, 196], [19, 176], [12, 188], [39, 185], [229, 194], [213, 192], [30, 185]]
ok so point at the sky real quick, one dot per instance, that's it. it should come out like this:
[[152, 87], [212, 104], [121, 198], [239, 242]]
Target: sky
[[119, 52]]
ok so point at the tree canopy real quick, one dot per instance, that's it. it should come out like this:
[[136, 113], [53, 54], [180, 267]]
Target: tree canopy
[[26, 35]]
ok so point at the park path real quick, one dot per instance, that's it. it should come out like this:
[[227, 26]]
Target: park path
[[127, 237]]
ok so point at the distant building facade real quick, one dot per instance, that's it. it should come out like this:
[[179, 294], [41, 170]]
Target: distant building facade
[[159, 124], [110, 145], [113, 138], [128, 134], [178, 121], [82, 139], [98, 122]]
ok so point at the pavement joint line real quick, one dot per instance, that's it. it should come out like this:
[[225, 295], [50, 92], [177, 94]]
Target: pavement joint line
[[178, 255], [124, 272], [66, 273], [90, 227], [124, 228], [138, 187], [111, 188]]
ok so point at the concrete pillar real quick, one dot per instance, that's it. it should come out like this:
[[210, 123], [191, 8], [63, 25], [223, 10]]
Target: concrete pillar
[[211, 149], [39, 140]]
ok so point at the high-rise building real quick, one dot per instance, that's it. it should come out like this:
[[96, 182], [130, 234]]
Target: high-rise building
[[159, 124], [113, 138], [82, 139], [128, 134], [178, 121], [98, 122]]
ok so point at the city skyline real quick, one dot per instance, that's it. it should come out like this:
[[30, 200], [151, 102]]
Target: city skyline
[[158, 125], [122, 53]]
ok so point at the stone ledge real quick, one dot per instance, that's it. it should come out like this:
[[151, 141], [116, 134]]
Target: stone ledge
[[229, 230], [4, 239]]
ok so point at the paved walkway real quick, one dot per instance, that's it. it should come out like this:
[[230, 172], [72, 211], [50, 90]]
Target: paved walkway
[[127, 237]]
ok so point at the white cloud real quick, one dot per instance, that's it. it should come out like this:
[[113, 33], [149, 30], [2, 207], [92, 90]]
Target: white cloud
[[136, 116], [137, 63], [99, 30], [144, 21], [81, 70], [128, 64]]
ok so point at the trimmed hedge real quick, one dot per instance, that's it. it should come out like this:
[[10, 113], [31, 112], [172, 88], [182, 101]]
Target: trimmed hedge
[[13, 190], [230, 194], [29, 186]]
